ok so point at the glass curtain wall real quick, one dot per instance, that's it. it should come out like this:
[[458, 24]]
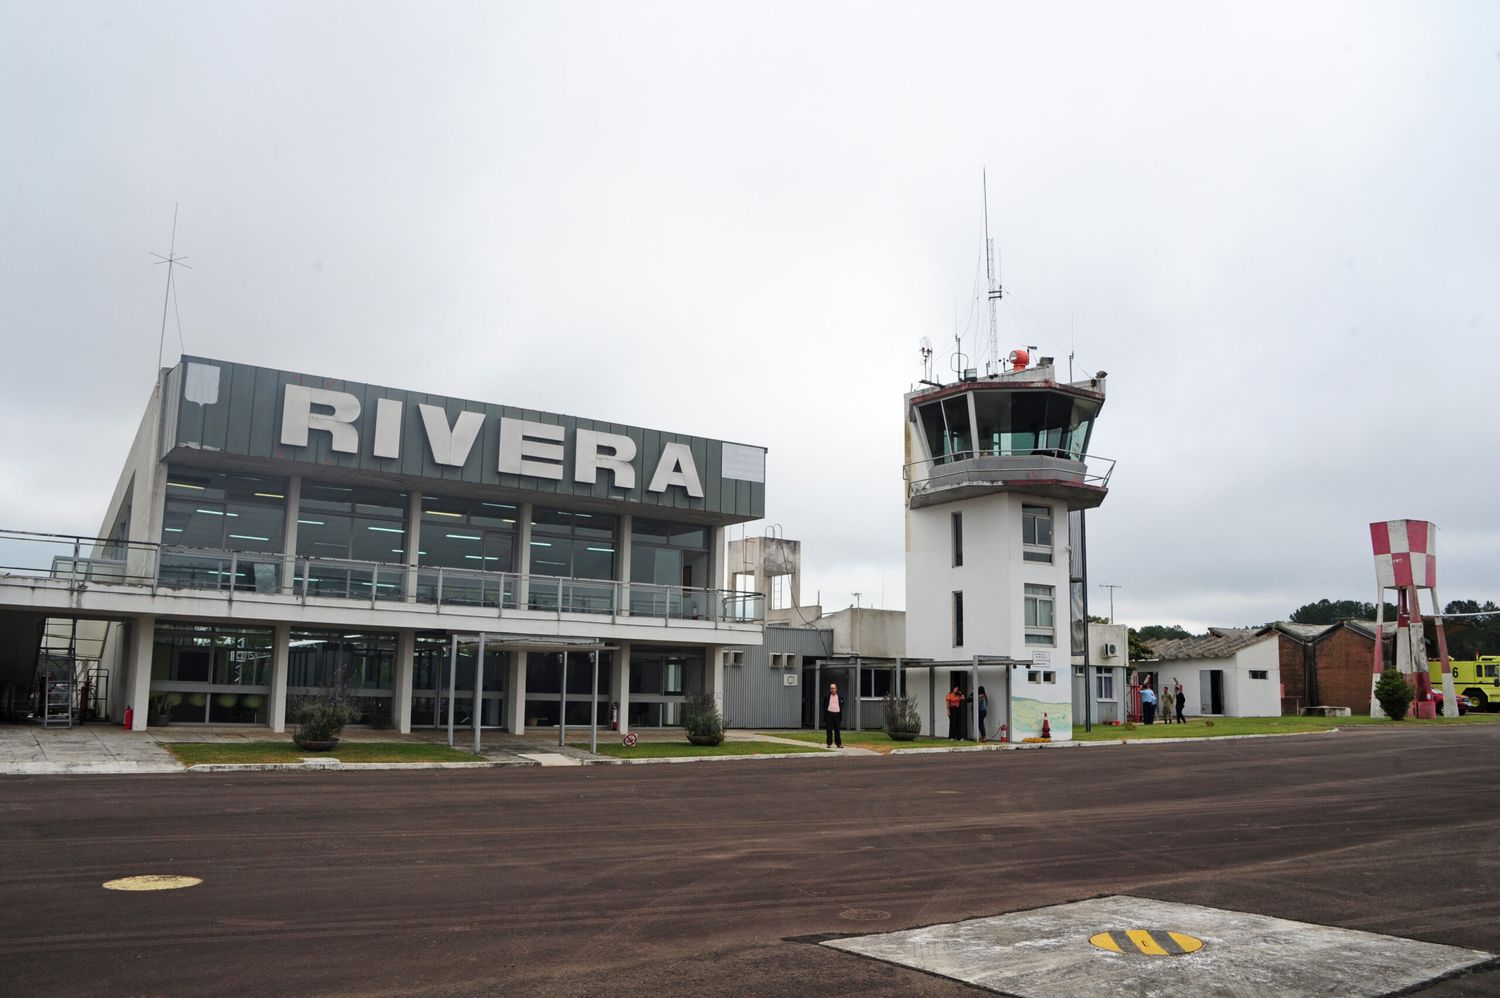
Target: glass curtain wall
[[215, 514], [660, 680], [353, 524], [567, 547], [429, 697], [1048, 423], [210, 674], [544, 685], [365, 663], [670, 558], [467, 538]]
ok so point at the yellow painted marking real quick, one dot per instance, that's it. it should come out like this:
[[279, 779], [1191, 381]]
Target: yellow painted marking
[[152, 882], [1105, 940], [1189, 944], [1144, 942], [1147, 942]]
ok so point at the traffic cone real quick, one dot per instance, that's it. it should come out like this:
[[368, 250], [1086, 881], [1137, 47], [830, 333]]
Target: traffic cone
[[1046, 727]]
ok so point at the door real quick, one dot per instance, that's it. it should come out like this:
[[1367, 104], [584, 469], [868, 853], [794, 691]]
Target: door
[[960, 678], [1211, 691]]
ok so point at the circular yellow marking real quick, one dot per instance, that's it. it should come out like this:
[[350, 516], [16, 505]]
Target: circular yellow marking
[[152, 882], [1147, 942]]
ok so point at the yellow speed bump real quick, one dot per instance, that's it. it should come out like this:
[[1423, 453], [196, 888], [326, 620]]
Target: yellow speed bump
[[1147, 942], [152, 882]]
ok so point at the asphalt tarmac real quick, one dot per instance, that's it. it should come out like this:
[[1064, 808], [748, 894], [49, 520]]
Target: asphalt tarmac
[[718, 877]]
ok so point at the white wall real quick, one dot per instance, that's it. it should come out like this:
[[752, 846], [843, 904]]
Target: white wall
[[1243, 696], [992, 578]]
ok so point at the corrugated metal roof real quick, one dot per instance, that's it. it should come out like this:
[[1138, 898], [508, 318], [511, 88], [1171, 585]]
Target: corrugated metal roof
[[1221, 642]]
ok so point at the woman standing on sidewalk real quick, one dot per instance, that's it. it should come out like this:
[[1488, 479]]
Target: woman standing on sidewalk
[[833, 717]]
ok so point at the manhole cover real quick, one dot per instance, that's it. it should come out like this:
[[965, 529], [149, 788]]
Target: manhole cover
[[1147, 942]]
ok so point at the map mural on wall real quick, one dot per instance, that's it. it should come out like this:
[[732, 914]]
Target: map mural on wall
[[1026, 718]]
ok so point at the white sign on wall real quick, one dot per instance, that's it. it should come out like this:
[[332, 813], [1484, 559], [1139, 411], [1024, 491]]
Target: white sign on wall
[[790, 679], [1041, 658]]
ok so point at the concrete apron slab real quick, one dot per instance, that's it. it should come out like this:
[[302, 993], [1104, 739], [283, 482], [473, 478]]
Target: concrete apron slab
[[1047, 953]]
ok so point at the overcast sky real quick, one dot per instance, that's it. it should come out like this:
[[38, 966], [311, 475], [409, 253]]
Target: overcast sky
[[1276, 226]]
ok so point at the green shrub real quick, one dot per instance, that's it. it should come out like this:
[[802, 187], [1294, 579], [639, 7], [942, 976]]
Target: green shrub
[[701, 718], [1394, 694], [901, 715], [321, 716]]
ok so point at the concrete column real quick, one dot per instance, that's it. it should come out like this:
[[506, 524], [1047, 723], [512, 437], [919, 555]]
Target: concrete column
[[406, 651], [515, 693], [138, 668], [619, 684], [413, 547], [289, 533], [523, 557], [281, 656], [714, 674], [622, 567]]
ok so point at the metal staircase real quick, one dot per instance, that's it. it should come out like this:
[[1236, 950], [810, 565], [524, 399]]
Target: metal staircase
[[70, 683]]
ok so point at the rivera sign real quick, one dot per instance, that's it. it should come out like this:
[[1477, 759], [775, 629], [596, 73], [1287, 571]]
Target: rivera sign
[[536, 450]]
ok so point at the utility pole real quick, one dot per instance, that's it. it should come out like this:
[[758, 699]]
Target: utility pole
[[1111, 599]]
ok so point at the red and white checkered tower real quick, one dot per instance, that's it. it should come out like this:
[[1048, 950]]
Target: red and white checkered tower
[[1406, 560]]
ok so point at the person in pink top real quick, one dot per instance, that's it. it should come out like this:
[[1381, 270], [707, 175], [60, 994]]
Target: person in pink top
[[833, 714]]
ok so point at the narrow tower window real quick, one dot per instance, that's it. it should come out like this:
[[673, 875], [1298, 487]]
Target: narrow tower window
[[958, 539]]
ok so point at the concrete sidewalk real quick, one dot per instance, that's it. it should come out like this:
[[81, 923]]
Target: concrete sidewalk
[[31, 750]]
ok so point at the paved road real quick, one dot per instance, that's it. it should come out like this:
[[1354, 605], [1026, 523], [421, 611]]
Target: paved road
[[696, 879]]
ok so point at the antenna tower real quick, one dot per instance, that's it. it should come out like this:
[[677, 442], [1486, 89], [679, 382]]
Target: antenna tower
[[992, 275], [171, 260]]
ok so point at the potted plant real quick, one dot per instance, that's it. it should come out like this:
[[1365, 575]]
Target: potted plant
[[902, 722], [320, 717], [701, 719]]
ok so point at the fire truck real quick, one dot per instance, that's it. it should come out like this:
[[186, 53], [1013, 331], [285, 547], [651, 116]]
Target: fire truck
[[1478, 680]]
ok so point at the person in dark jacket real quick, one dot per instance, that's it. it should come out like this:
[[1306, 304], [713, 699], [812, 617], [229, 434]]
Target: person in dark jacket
[[833, 717]]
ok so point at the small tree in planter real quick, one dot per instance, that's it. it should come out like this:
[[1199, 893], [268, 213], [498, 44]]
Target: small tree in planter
[[701, 719], [1394, 694], [902, 722], [320, 717]]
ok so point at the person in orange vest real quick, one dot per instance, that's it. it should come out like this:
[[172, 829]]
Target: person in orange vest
[[955, 714]]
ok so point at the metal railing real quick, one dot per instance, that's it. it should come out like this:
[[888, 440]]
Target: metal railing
[[86, 562], [1011, 465]]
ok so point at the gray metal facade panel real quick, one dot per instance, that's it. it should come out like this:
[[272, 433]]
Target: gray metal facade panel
[[246, 421], [755, 695]]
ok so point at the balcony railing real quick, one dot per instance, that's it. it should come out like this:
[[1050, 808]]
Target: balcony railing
[[85, 562], [1004, 467]]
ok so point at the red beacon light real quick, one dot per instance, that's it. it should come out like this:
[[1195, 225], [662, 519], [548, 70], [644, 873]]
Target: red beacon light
[[1019, 359]]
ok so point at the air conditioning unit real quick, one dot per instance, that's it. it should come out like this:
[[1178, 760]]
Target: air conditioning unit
[[1110, 651]]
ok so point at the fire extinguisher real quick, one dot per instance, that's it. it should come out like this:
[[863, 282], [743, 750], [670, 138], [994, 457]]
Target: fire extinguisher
[[1002, 733], [614, 715], [129, 716]]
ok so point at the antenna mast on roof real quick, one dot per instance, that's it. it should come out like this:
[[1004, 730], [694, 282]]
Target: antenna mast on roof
[[171, 260], [992, 274]]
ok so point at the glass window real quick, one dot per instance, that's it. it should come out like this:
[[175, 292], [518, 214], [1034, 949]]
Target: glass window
[[211, 674], [1039, 619], [572, 546], [1259, 674], [958, 620], [218, 513], [875, 683], [958, 539], [673, 555], [1021, 423], [1104, 682], [960, 440]]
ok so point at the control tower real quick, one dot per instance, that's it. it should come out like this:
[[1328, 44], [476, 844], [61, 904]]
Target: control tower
[[995, 469]]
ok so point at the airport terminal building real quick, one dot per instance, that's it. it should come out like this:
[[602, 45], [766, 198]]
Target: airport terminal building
[[465, 562]]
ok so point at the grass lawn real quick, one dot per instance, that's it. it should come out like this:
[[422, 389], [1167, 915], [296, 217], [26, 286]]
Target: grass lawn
[[1220, 726], [193, 753], [684, 748], [875, 741]]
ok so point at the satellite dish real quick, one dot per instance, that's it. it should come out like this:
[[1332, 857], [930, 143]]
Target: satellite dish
[[925, 345]]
